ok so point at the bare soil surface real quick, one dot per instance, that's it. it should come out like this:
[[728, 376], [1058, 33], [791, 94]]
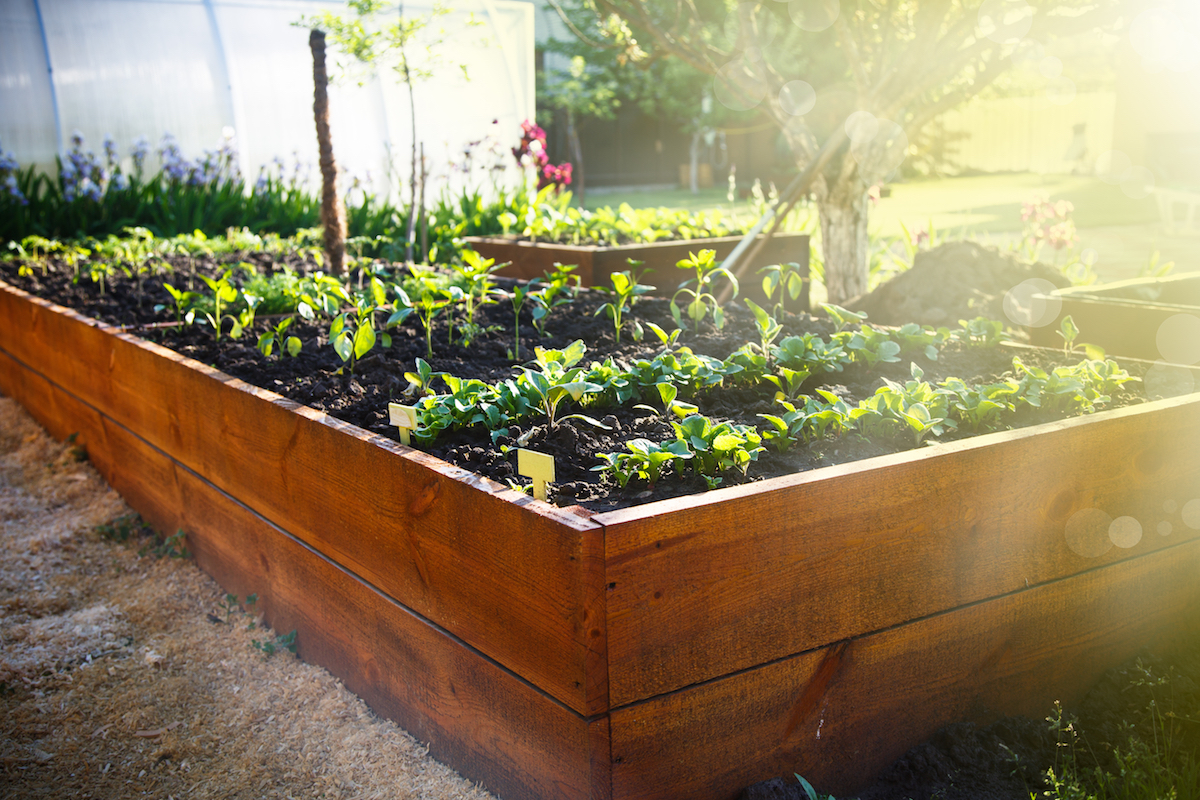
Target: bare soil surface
[[319, 379], [124, 674]]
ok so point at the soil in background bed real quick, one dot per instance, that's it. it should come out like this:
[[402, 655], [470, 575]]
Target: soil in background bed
[[312, 378]]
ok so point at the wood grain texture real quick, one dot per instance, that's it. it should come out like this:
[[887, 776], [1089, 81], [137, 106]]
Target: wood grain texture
[[1121, 327], [504, 573], [491, 725], [704, 586], [891, 690], [530, 260]]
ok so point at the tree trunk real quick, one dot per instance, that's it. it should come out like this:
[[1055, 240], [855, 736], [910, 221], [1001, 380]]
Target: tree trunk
[[844, 242], [333, 212]]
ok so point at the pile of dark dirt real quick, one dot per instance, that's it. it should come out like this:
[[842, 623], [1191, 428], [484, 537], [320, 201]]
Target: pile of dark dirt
[[958, 280]]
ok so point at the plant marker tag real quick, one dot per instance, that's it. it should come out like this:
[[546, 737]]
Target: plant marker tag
[[539, 467], [403, 417]]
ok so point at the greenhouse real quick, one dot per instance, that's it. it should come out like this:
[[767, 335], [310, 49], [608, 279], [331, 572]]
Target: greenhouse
[[203, 70]]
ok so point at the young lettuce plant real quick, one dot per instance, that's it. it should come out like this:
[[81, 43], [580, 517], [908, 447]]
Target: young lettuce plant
[[699, 289], [624, 292], [556, 379]]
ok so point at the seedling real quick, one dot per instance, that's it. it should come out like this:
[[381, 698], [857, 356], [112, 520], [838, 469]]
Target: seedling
[[842, 317], [431, 299], [268, 647], [556, 379], [352, 333], [538, 467], [784, 278], [788, 382], [699, 289], [1069, 332], [277, 337], [979, 332], [517, 297], [625, 291], [557, 290], [183, 304], [717, 446], [768, 328], [668, 392], [420, 380], [645, 459], [404, 418], [36, 249], [476, 272], [223, 294]]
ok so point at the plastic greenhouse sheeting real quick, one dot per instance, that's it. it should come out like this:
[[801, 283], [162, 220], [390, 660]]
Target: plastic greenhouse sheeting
[[193, 68]]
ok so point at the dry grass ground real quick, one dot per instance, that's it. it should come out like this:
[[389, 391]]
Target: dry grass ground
[[122, 674]]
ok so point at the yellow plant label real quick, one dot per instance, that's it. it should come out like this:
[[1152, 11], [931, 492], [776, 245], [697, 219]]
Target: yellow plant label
[[404, 418], [537, 466]]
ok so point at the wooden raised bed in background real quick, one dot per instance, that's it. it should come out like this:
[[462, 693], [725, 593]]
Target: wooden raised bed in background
[[1125, 317], [533, 259], [820, 623]]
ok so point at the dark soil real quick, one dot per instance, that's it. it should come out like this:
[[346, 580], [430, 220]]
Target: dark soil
[[958, 280], [316, 377], [1008, 759]]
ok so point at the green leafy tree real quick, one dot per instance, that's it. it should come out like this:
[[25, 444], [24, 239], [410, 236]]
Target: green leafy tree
[[847, 83], [377, 36]]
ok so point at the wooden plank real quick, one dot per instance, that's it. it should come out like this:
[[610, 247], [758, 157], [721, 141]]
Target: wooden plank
[[502, 572], [532, 260], [488, 723], [704, 586], [1121, 327], [529, 261], [661, 259], [883, 693]]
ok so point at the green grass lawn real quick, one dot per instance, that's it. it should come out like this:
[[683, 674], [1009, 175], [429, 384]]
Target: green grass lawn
[[979, 204]]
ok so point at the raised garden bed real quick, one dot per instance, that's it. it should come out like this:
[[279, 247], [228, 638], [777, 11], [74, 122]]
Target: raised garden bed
[[1127, 318], [596, 262], [821, 622]]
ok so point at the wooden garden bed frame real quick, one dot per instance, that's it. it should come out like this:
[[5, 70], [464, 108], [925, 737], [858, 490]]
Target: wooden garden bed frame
[[595, 262], [820, 623], [1123, 317]]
